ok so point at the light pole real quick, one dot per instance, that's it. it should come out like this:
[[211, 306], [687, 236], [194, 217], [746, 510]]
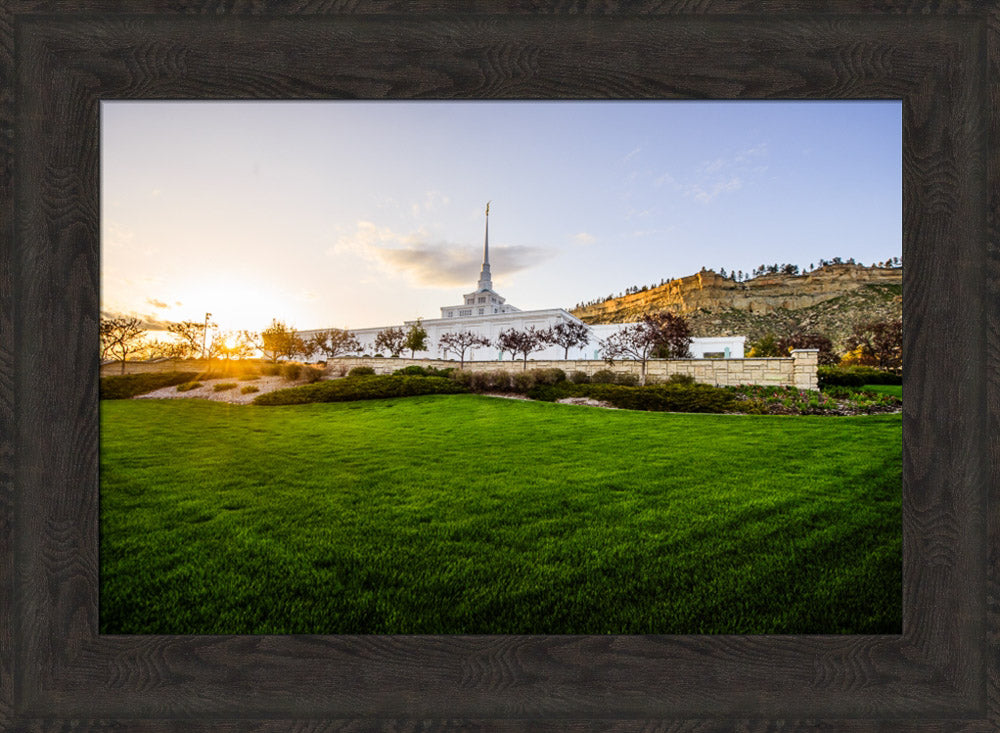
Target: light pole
[[204, 336]]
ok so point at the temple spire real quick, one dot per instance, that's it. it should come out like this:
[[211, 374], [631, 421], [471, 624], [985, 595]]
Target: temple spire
[[485, 279]]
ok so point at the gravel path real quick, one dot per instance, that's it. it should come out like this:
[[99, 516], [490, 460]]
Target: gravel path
[[234, 396]]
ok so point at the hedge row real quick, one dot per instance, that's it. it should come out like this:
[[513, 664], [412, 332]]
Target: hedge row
[[124, 386], [360, 388], [855, 376], [416, 370], [656, 397]]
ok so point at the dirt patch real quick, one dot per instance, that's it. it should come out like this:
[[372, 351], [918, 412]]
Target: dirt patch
[[233, 396], [586, 401]]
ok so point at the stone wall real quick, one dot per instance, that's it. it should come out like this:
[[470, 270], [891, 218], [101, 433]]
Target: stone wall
[[798, 370]]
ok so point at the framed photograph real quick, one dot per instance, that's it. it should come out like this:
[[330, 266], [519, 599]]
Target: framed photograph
[[66, 663], [501, 489]]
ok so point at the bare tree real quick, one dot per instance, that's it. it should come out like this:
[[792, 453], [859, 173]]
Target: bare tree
[[192, 334], [523, 342], [568, 335], [458, 342], [121, 337], [673, 332], [306, 347], [337, 342], [391, 339], [640, 341]]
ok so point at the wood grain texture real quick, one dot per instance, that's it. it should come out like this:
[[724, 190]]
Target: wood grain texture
[[940, 675], [992, 319], [8, 440]]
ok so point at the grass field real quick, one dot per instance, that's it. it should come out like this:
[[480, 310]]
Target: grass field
[[470, 514], [896, 390]]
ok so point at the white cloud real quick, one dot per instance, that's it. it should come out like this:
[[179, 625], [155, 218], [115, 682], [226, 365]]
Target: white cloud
[[713, 178], [631, 155], [705, 194], [584, 238], [432, 264]]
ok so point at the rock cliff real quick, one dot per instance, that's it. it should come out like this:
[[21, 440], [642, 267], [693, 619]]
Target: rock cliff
[[829, 300]]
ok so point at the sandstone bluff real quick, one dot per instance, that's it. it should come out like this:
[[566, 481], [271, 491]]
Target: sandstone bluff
[[828, 300]]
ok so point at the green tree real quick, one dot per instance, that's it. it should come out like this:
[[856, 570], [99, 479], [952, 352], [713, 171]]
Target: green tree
[[766, 345], [416, 338], [878, 343], [810, 341], [276, 341], [392, 339]]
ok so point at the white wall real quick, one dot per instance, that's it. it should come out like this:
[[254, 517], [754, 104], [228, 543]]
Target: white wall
[[490, 326]]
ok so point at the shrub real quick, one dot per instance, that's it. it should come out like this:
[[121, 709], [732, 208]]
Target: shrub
[[855, 376], [461, 377], [488, 381], [249, 389], [373, 388], [311, 374], [627, 378], [249, 377], [523, 381], [603, 376], [223, 386], [188, 386], [553, 392], [578, 377], [361, 371], [663, 397], [270, 370], [680, 379], [291, 371], [551, 375], [124, 386], [419, 371]]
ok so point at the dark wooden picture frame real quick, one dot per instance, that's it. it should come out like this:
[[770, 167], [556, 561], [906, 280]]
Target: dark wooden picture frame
[[60, 60]]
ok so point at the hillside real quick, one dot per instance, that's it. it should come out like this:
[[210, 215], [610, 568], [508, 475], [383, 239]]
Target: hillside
[[829, 300]]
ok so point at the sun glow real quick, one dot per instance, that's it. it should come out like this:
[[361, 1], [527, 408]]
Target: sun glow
[[238, 304]]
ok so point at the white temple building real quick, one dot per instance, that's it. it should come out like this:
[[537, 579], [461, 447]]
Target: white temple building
[[486, 313]]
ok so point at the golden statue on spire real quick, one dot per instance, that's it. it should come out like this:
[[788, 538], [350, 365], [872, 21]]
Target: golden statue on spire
[[488, 207]]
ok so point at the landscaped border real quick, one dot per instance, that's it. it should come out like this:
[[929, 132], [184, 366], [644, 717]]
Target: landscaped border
[[940, 674]]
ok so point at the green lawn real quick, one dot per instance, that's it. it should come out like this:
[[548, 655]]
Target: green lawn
[[896, 390], [470, 514]]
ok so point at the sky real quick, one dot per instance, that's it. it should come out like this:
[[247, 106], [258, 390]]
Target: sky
[[347, 214]]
